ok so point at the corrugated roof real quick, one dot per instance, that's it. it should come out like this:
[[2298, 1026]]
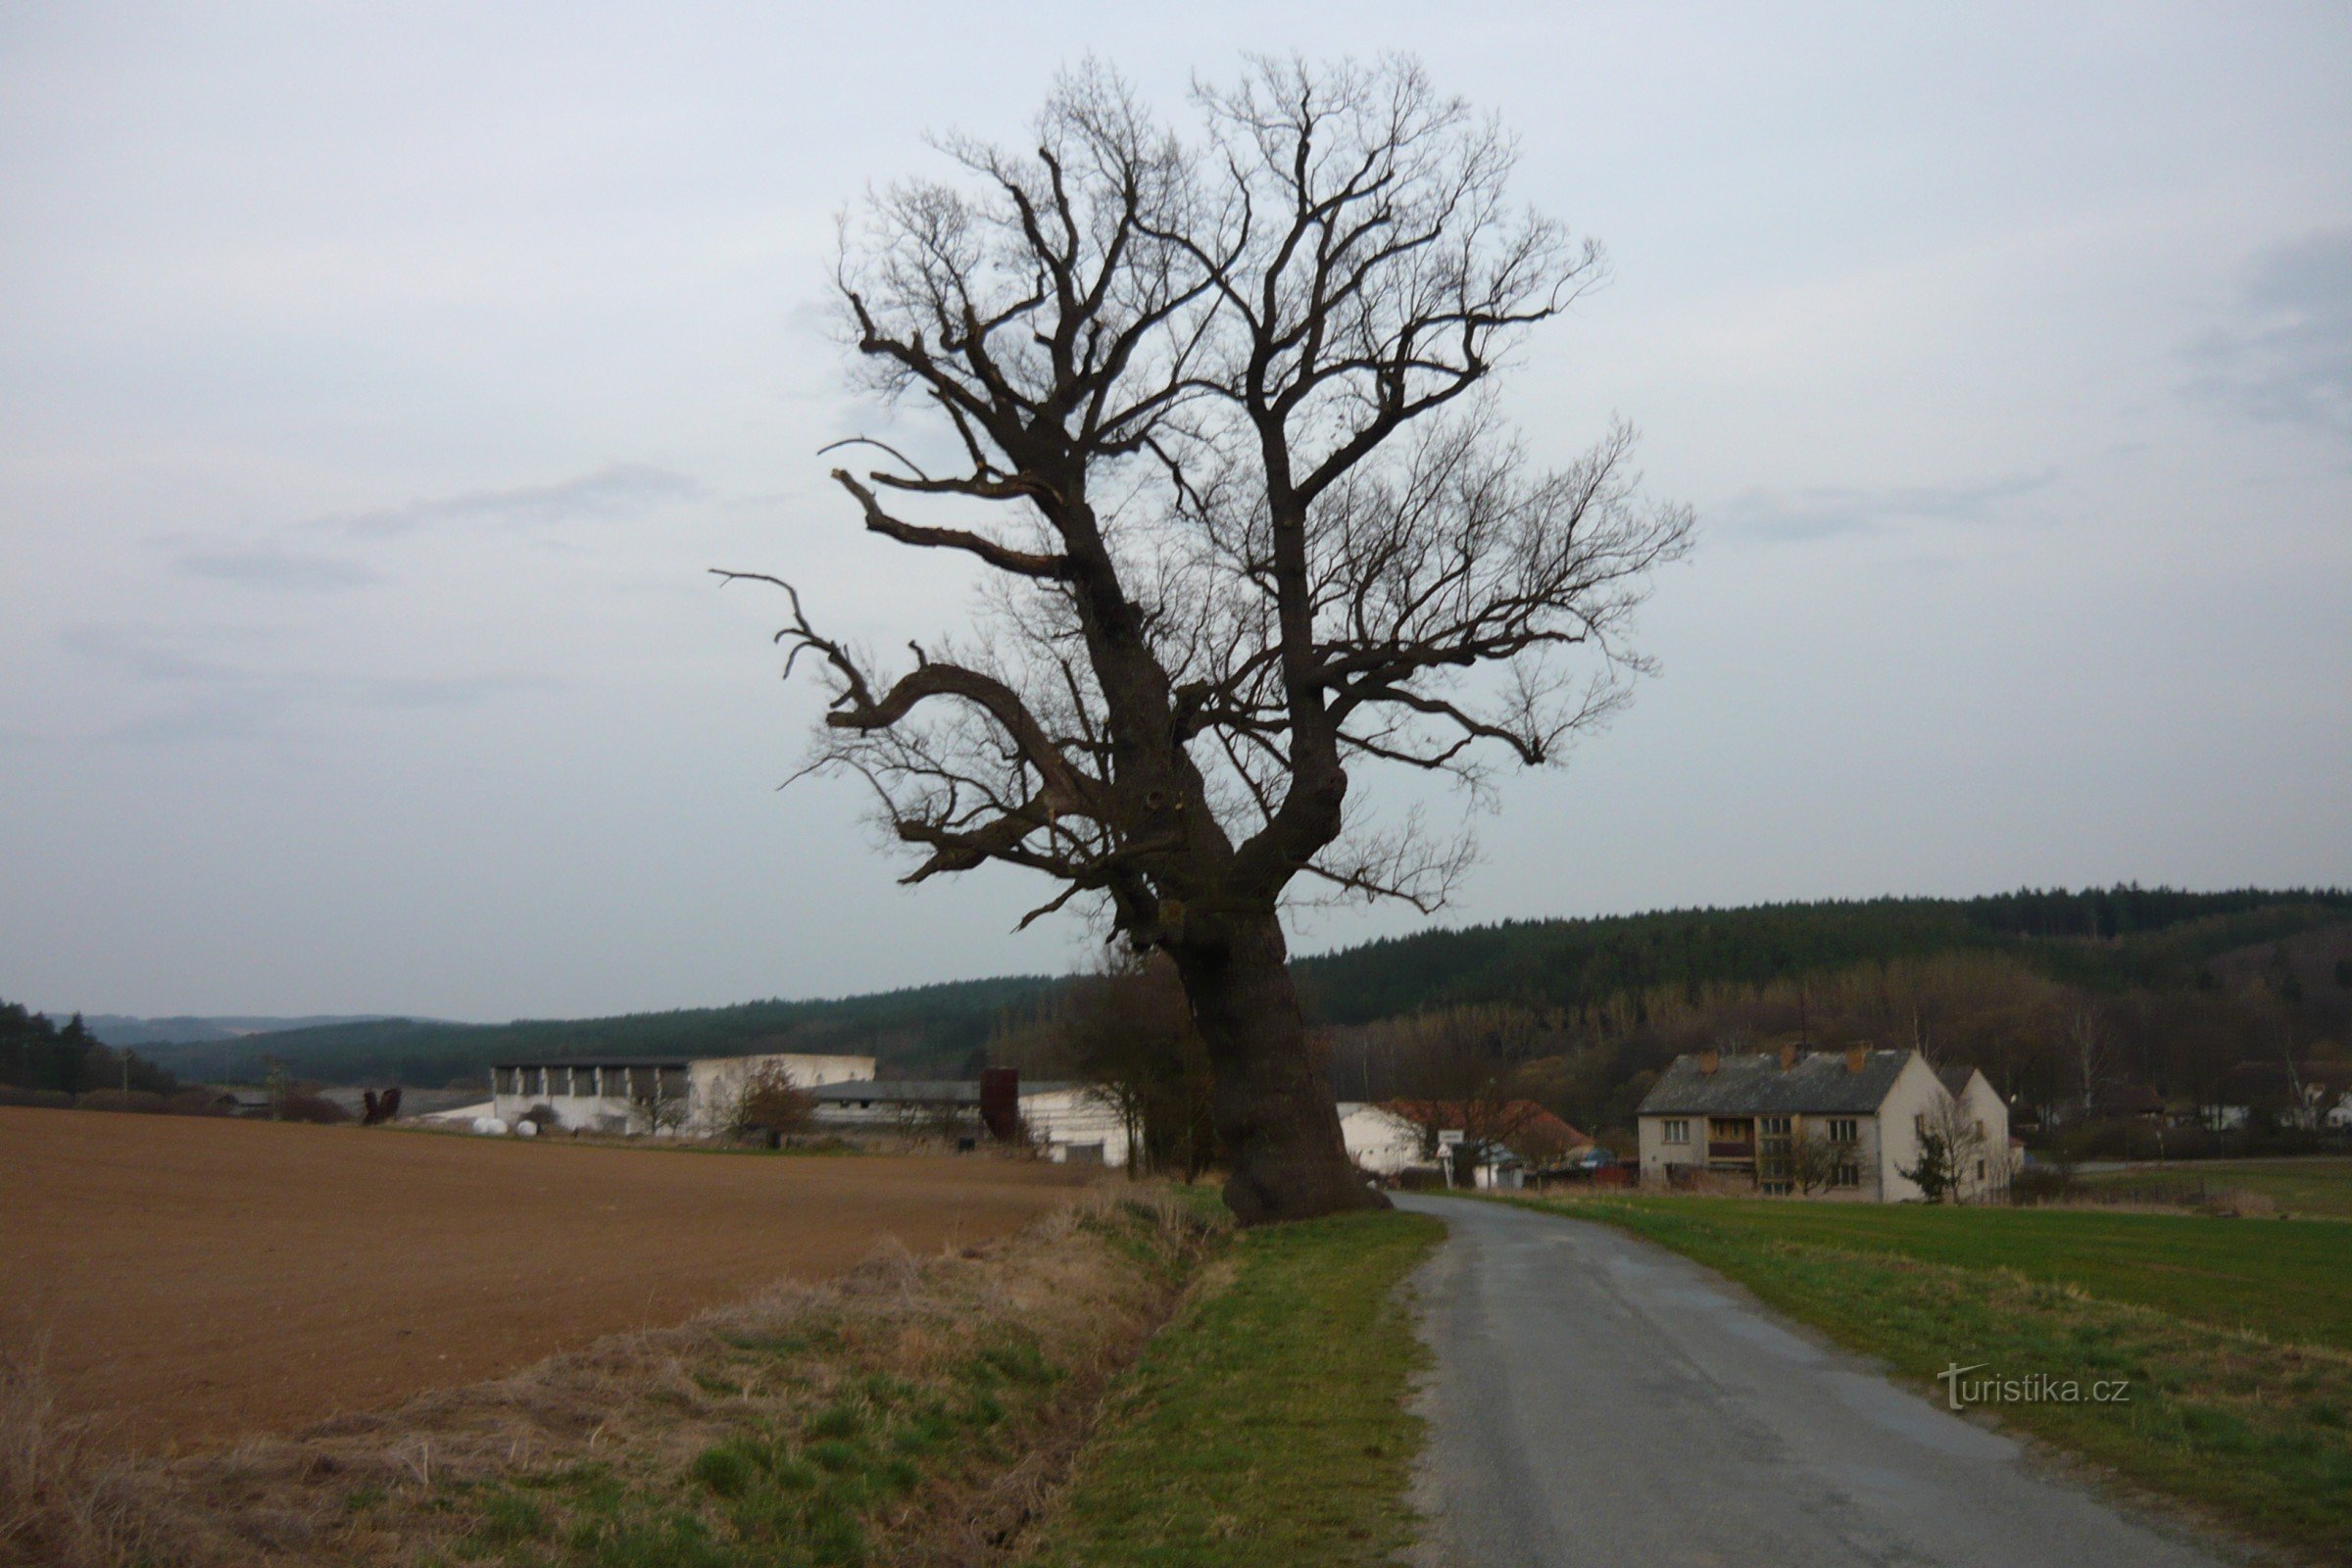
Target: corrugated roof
[[919, 1091], [1817, 1085], [598, 1061]]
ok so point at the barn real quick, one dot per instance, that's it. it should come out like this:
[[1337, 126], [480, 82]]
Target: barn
[[688, 1096]]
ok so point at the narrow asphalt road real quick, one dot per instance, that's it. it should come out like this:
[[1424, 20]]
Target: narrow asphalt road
[[1598, 1399]]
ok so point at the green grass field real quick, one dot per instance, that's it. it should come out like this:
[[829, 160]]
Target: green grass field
[[2287, 1280], [2315, 1186], [2236, 1334], [1267, 1423]]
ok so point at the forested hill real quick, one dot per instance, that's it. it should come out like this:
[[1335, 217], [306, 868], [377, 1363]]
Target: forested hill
[[926, 1028], [2107, 938], [2110, 937]]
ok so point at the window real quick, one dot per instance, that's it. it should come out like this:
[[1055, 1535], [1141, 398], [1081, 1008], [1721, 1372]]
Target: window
[[584, 1080], [1677, 1131], [1726, 1129], [1777, 1189], [1775, 1126], [505, 1081], [1841, 1130], [1980, 1170], [1847, 1174]]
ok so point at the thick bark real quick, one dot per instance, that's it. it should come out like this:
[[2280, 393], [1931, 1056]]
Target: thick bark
[[1273, 1110]]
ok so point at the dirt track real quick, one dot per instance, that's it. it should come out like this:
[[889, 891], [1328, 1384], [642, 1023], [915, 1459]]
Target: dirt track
[[204, 1278]]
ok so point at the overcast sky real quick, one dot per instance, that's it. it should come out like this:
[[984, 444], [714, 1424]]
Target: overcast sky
[[378, 382]]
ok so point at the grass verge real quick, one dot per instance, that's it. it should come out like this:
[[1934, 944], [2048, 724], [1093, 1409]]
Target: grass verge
[[2248, 1423], [1266, 1424], [912, 1411]]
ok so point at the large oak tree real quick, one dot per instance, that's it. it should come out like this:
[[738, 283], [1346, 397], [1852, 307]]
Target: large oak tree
[[1221, 435]]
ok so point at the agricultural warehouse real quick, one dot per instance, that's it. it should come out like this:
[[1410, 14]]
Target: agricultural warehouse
[[683, 1095], [1852, 1124], [1067, 1122]]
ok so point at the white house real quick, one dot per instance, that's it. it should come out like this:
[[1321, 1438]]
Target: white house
[[1379, 1141], [680, 1095], [1851, 1120]]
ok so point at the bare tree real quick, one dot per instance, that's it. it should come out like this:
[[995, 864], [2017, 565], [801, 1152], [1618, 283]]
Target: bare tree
[[1814, 1160], [1126, 1031], [1954, 1148], [659, 1100], [2092, 1047], [1462, 1074], [1217, 428]]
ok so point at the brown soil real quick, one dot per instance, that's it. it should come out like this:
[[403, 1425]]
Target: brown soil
[[203, 1279]]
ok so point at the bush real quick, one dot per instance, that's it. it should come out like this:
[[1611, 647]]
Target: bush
[[316, 1108], [2042, 1184], [196, 1102], [771, 1103], [45, 1099], [541, 1116]]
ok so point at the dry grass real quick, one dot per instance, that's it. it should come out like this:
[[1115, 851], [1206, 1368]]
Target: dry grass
[[59, 1501], [914, 1411]]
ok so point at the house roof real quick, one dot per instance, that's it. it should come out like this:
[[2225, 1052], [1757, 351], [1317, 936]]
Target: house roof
[[1815, 1085], [1955, 1079], [1506, 1120]]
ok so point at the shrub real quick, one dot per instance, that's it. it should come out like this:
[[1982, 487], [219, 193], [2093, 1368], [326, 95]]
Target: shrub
[[300, 1106], [771, 1103], [45, 1099], [196, 1102], [541, 1116]]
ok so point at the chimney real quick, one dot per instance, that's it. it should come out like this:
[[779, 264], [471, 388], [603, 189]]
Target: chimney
[[1855, 1056], [1709, 1059], [1787, 1057], [1001, 1101]]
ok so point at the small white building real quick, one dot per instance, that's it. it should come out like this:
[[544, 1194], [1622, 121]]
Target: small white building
[[688, 1096]]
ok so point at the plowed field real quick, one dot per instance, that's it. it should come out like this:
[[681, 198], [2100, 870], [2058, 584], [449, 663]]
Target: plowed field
[[200, 1279]]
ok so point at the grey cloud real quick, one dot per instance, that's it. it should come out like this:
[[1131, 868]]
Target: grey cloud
[[2289, 360], [623, 490], [1787, 516], [270, 567]]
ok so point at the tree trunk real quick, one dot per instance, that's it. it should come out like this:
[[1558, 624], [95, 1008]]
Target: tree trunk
[[1273, 1111]]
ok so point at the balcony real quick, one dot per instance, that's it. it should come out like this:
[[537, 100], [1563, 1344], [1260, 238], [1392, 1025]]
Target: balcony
[[1731, 1149]]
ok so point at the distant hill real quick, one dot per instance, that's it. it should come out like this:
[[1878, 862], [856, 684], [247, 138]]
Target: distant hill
[[118, 1029], [2105, 938], [923, 1029]]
